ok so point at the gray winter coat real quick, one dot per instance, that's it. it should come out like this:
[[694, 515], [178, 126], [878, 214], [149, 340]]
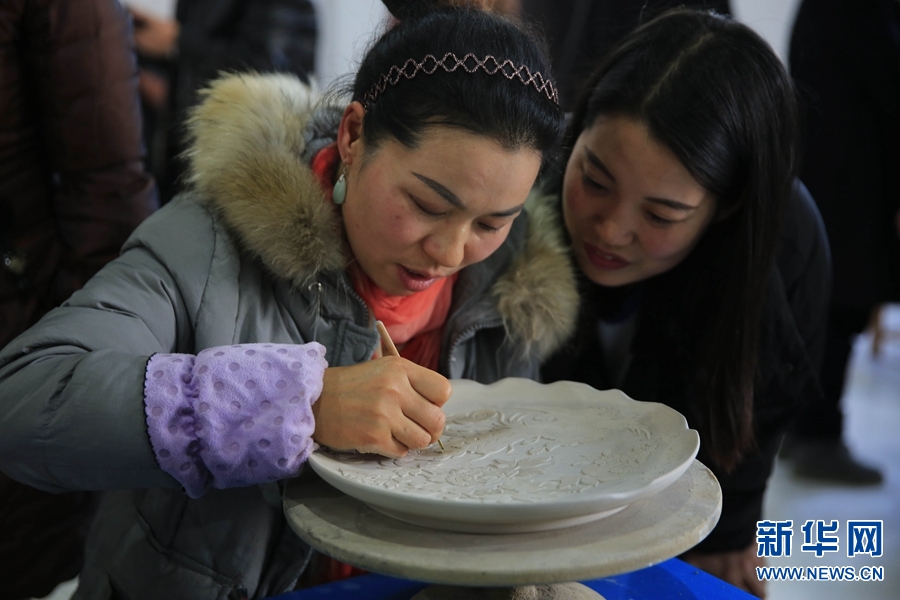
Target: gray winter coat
[[253, 253]]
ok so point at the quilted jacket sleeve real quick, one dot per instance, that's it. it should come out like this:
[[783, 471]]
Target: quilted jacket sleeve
[[71, 387]]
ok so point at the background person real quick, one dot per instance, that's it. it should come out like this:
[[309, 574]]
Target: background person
[[845, 58], [678, 180], [181, 55], [235, 332], [72, 188]]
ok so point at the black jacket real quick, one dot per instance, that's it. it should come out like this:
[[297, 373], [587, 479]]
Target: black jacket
[[237, 35], [791, 344], [845, 58]]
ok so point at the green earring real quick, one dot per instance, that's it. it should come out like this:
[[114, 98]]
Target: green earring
[[339, 193]]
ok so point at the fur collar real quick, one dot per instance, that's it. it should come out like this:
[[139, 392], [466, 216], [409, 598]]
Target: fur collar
[[249, 152]]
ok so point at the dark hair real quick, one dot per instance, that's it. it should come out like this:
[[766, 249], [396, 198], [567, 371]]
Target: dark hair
[[715, 94], [515, 114]]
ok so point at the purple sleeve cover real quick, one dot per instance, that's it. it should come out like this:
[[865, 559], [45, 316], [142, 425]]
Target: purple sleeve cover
[[233, 415]]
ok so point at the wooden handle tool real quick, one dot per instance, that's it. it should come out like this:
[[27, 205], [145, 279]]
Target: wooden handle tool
[[388, 344]]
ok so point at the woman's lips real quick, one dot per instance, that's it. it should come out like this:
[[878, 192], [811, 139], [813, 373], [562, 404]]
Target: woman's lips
[[604, 260], [415, 281]]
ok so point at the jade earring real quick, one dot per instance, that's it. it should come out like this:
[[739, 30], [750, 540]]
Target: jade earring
[[339, 193]]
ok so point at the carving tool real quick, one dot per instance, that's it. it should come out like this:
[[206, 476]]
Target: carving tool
[[388, 344]]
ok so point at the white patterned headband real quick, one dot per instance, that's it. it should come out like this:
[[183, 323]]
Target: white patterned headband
[[469, 63]]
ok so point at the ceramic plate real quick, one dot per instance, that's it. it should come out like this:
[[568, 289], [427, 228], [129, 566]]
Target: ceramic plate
[[523, 456]]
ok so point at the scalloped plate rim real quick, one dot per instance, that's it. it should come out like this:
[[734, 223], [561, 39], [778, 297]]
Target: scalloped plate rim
[[480, 511]]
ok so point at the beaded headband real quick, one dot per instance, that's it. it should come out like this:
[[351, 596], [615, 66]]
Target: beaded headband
[[469, 63]]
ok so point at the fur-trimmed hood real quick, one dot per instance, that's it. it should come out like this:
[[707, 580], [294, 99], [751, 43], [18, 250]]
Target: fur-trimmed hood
[[251, 141]]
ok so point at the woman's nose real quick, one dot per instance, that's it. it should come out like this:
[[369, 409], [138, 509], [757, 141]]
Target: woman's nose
[[614, 224], [448, 247]]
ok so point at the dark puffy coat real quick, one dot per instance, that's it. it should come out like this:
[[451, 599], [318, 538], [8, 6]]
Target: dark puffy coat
[[845, 57], [72, 181], [791, 347], [72, 188]]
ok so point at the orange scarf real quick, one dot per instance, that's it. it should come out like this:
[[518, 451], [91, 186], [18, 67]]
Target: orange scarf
[[416, 321]]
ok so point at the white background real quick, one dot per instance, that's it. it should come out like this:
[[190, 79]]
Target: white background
[[346, 28]]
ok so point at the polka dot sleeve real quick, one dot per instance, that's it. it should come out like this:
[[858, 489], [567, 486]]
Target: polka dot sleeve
[[233, 415]]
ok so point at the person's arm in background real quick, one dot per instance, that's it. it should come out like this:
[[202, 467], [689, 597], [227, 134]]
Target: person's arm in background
[[804, 263], [155, 37], [209, 37], [82, 66], [238, 35]]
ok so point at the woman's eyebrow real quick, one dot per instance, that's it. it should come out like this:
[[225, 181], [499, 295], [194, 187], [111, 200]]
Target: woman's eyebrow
[[595, 160], [672, 204], [441, 191], [455, 201], [508, 212]]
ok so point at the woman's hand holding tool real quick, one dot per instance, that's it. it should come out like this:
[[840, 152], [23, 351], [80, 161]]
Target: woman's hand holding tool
[[385, 406]]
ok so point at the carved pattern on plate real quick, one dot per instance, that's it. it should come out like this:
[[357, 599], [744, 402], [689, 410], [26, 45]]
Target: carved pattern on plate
[[524, 456], [516, 455]]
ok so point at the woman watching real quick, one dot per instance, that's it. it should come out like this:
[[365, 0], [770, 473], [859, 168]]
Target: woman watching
[[704, 265], [236, 330]]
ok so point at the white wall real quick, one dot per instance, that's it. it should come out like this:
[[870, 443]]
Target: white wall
[[160, 8], [346, 27], [772, 19]]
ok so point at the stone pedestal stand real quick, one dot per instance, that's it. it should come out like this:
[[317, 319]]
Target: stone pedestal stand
[[520, 566]]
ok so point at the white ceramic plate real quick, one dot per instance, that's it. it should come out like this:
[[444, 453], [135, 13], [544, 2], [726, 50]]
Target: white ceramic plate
[[522, 456]]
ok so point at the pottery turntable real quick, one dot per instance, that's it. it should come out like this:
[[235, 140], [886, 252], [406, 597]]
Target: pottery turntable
[[537, 486]]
